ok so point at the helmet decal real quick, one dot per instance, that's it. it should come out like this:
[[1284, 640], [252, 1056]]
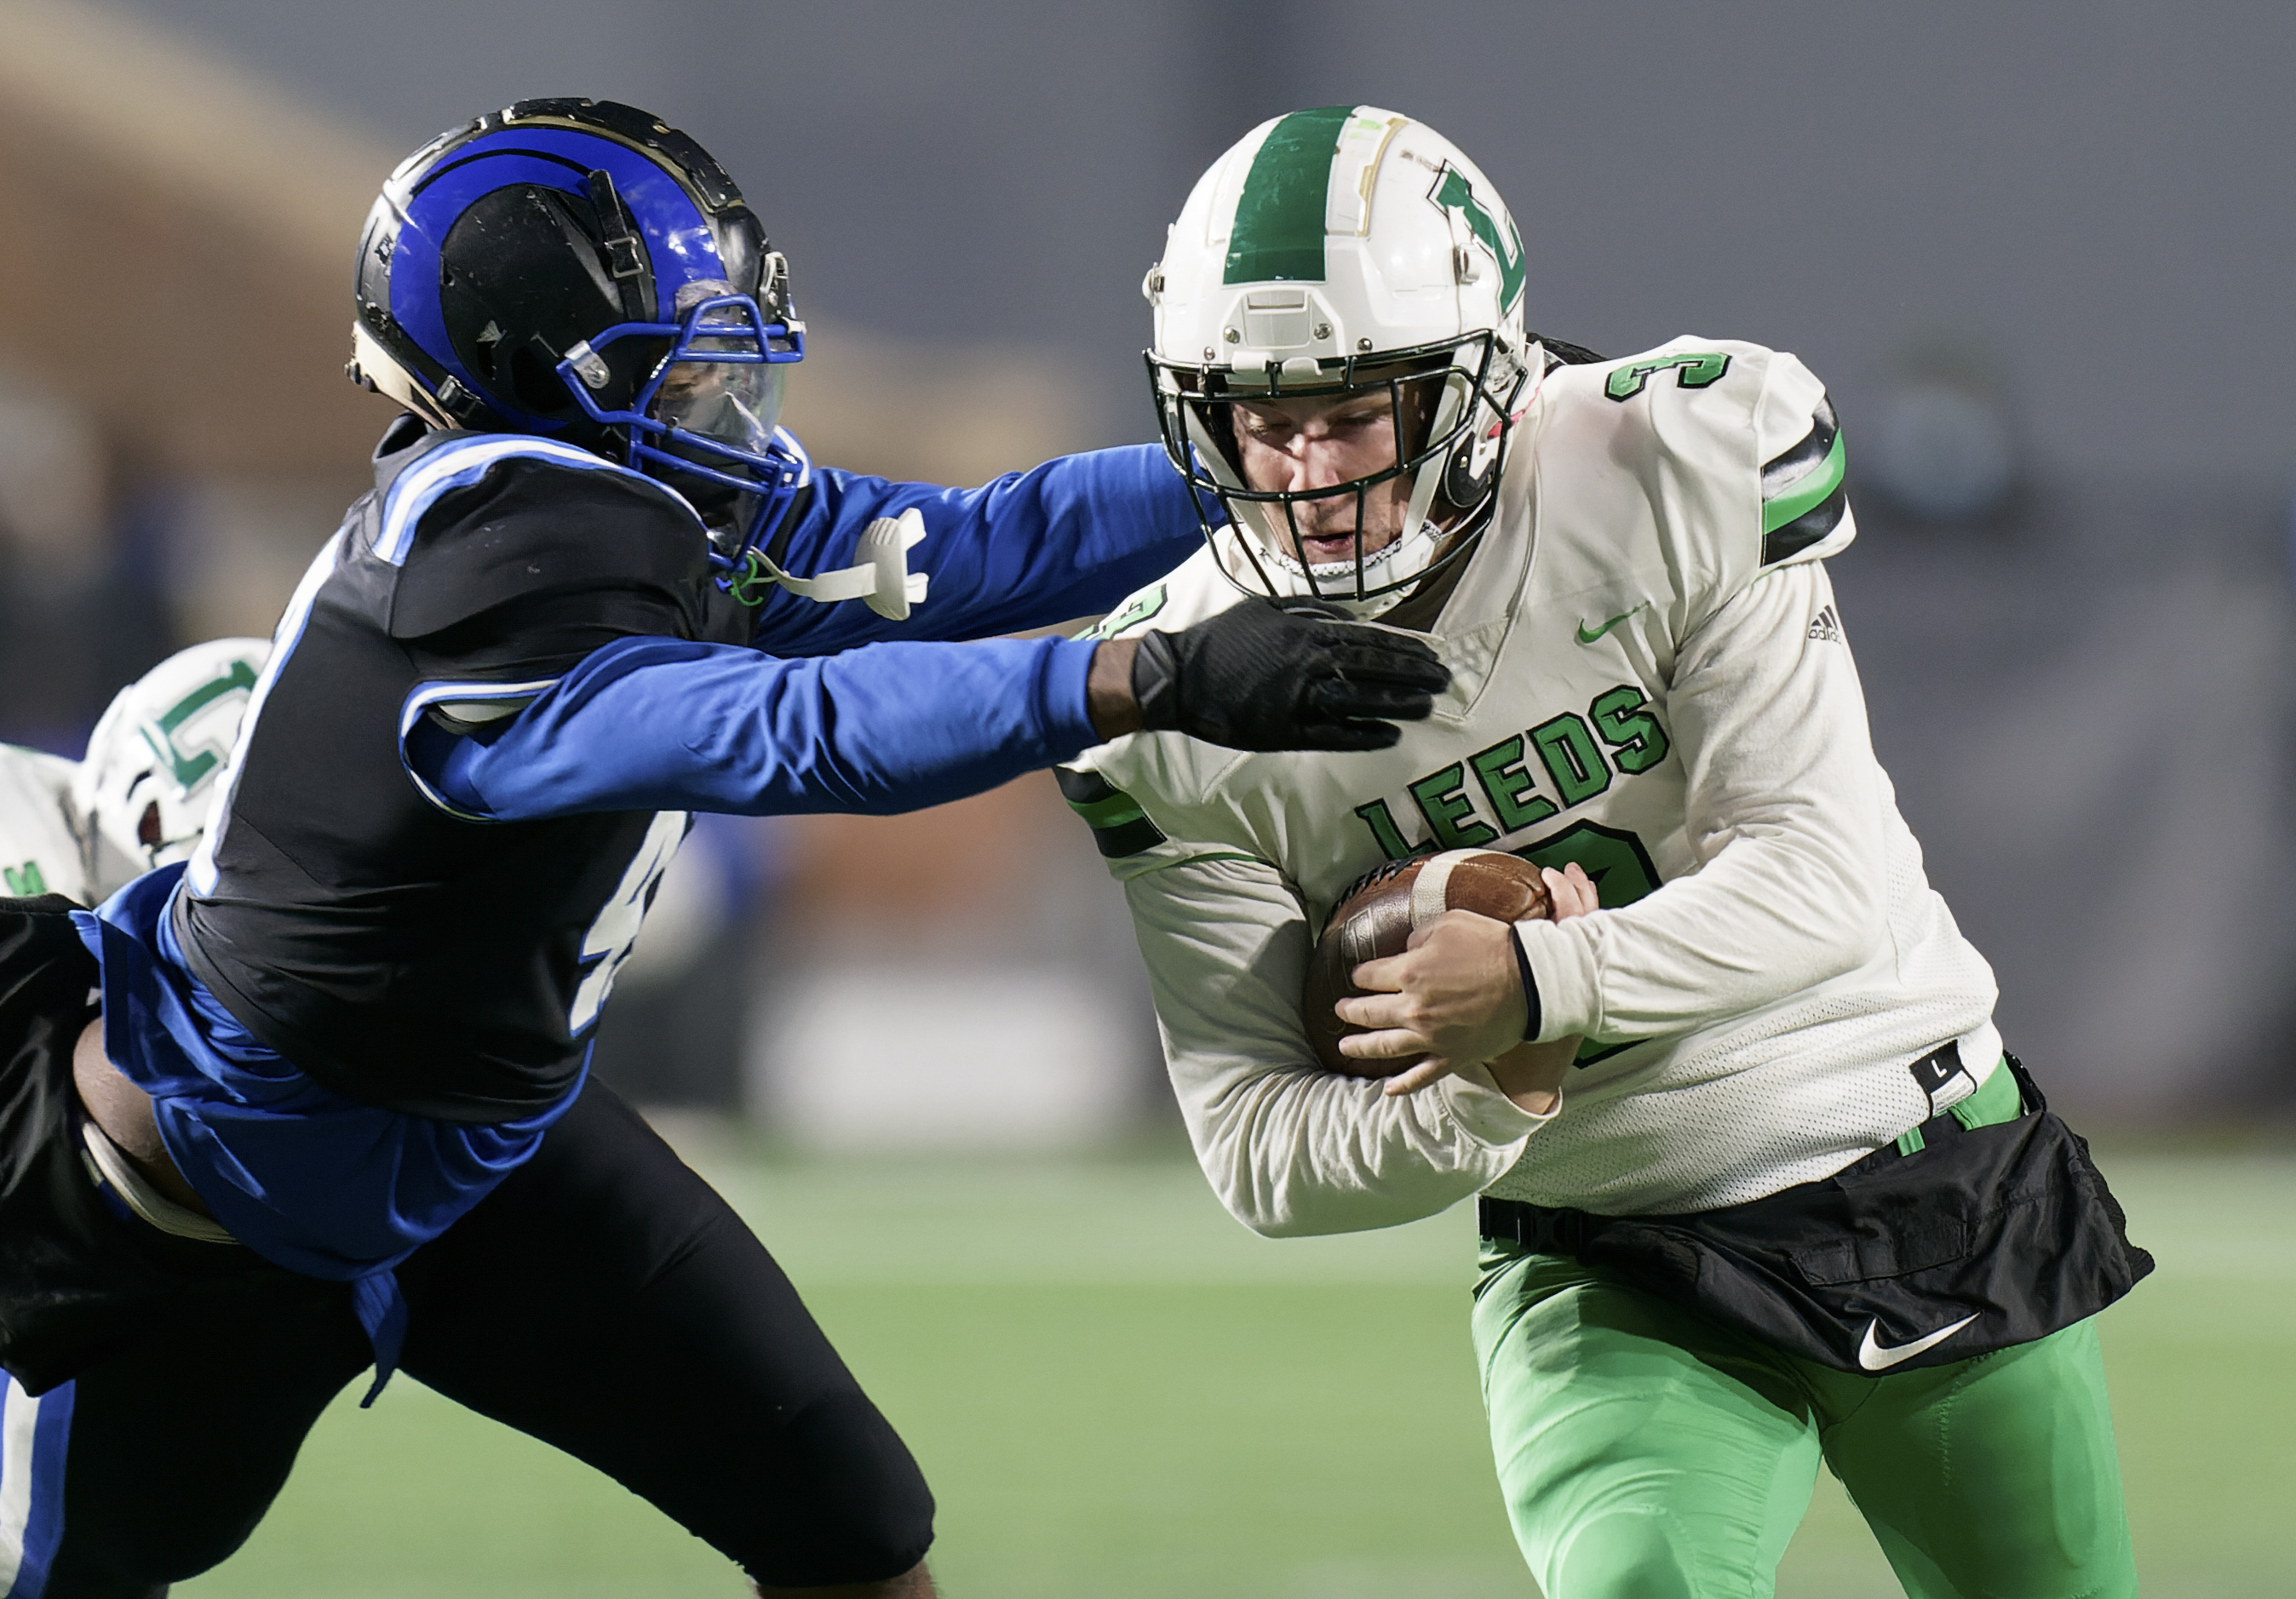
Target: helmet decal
[[1453, 192], [677, 239], [152, 776], [189, 766], [1279, 219], [679, 245]]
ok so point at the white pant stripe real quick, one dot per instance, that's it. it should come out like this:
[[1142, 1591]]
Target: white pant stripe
[[34, 1444], [19, 1414]]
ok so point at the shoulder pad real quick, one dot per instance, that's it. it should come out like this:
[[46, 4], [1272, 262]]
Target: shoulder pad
[[1132, 615], [1678, 363], [464, 459], [1689, 404], [1737, 449], [1120, 828], [1113, 786], [36, 769], [1152, 763], [1805, 489], [494, 520]]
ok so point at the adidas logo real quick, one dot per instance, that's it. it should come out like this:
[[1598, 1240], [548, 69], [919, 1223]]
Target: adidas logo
[[1826, 626]]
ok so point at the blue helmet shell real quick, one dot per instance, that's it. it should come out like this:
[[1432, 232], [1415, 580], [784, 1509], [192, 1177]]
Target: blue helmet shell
[[538, 270], [680, 247]]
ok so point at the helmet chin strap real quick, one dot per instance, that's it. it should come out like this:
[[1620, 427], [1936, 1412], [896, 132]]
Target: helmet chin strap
[[377, 372], [1398, 562]]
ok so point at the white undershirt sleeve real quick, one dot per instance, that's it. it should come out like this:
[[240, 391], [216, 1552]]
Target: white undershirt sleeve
[[1785, 808], [1288, 1147]]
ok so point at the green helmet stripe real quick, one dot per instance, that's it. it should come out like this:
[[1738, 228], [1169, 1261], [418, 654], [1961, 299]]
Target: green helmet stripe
[[1279, 219]]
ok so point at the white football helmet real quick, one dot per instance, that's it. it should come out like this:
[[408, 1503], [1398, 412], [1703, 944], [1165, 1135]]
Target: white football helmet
[[1333, 252], [155, 762]]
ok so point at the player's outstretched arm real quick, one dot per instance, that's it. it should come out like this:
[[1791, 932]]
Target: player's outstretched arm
[[1067, 538], [662, 723]]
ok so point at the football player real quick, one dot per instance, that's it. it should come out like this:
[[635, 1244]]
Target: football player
[[44, 840], [595, 588], [154, 765], [140, 797], [1758, 1185]]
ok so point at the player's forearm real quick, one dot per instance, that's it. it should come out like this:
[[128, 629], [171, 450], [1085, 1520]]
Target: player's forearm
[[1288, 1147], [1067, 538], [1299, 1151], [665, 724], [1786, 805], [1769, 917]]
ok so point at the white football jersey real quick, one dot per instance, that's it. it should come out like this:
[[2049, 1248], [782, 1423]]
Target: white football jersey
[[1649, 677], [42, 850]]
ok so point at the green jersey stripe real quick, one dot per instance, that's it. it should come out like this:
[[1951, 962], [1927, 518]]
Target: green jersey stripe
[[1119, 827], [1112, 812], [1813, 526], [1278, 231], [1811, 491]]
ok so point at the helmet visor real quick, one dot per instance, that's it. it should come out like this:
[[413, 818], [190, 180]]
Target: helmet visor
[[735, 402]]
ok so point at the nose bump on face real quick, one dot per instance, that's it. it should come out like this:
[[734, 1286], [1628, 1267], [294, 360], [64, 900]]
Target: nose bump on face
[[1315, 458], [1319, 468]]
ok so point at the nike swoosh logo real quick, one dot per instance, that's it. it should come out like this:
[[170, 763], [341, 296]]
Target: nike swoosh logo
[[1876, 1356], [1586, 637]]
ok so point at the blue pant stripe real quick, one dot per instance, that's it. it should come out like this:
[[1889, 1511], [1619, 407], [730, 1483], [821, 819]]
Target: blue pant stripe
[[32, 1510]]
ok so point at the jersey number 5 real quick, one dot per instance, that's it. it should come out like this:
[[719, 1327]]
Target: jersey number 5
[[607, 944]]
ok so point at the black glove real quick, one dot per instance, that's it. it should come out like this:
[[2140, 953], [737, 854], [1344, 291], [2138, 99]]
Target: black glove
[[1295, 677]]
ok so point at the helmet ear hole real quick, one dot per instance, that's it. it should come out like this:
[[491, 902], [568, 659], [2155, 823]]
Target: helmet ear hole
[[1467, 475]]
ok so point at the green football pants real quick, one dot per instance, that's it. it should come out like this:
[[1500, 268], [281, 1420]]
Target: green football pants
[[1647, 1452]]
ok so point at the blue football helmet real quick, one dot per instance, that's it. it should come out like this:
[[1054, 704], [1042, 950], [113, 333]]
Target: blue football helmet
[[579, 269]]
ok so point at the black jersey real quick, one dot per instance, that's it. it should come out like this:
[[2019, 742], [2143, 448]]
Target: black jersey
[[400, 955]]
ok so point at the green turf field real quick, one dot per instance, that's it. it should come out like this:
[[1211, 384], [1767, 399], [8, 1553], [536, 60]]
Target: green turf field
[[1116, 1390]]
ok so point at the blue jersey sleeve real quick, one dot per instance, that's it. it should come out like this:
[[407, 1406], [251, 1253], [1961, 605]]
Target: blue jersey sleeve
[[663, 724], [1070, 538]]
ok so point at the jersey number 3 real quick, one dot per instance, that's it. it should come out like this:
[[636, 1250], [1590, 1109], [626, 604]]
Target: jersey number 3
[[607, 944], [1692, 369]]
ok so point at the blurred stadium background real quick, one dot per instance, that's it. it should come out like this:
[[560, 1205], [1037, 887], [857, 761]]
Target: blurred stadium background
[[2037, 251]]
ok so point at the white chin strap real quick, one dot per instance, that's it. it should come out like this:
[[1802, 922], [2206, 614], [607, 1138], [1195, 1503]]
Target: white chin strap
[[1334, 581], [881, 579]]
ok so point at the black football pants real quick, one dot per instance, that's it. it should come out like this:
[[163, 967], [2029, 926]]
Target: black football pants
[[603, 1265]]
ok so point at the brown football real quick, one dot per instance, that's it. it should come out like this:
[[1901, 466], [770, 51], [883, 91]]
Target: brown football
[[1378, 916]]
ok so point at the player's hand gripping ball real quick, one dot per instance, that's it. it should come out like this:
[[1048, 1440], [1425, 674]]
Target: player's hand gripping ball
[[1377, 916]]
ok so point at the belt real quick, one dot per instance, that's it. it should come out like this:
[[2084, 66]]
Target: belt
[[2007, 1094], [1536, 1228]]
